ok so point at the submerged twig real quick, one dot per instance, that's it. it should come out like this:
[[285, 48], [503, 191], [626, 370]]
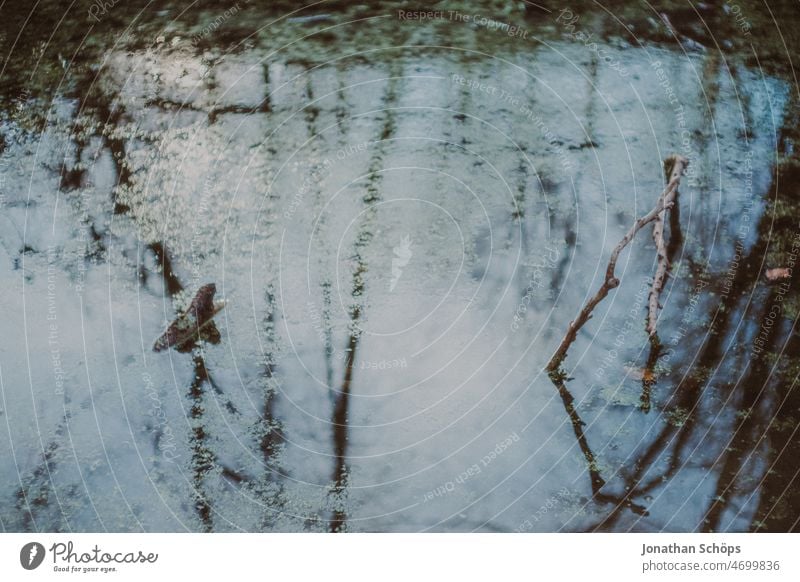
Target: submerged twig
[[674, 166], [649, 373], [677, 165]]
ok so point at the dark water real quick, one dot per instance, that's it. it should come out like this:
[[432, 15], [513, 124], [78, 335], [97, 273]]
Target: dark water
[[404, 217]]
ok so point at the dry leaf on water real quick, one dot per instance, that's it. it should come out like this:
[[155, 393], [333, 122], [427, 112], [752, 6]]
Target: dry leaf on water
[[778, 273], [189, 325]]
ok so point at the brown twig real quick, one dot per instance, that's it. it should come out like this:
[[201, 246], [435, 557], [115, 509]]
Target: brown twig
[[677, 164], [673, 168]]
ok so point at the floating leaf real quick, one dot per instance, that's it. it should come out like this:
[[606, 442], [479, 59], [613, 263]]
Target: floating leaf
[[189, 325], [778, 273]]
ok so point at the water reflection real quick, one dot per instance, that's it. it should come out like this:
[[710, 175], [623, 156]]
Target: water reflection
[[289, 175]]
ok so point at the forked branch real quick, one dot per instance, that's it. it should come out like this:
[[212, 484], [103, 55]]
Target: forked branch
[[676, 165]]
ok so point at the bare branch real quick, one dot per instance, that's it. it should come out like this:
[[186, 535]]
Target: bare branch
[[677, 165], [673, 167]]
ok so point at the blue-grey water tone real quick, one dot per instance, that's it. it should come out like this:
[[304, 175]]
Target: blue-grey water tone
[[403, 215]]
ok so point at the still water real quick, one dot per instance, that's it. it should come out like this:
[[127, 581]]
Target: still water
[[403, 217]]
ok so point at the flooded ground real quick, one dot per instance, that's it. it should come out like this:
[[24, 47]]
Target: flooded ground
[[404, 215]]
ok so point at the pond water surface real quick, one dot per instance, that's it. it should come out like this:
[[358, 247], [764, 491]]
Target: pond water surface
[[403, 217]]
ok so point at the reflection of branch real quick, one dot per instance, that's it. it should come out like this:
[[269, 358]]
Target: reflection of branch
[[341, 409], [203, 460], [568, 399], [595, 477], [667, 444], [749, 435], [665, 200], [675, 234], [673, 167]]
